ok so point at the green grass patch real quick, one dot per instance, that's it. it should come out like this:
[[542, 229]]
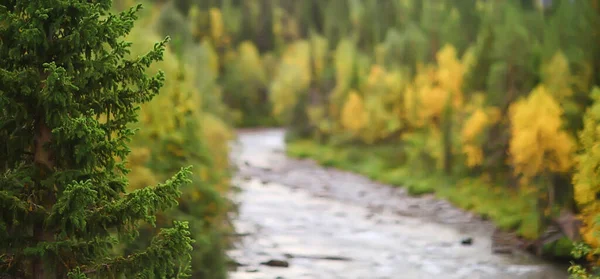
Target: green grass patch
[[560, 249]]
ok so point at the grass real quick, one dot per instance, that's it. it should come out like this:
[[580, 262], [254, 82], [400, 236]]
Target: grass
[[507, 208]]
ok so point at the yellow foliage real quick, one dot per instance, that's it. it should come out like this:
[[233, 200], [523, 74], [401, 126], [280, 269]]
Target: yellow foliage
[[586, 179], [590, 228], [410, 106], [284, 26], [138, 156], [415, 92], [194, 14], [538, 144], [468, 59], [316, 116], [216, 24], [380, 54], [432, 101], [472, 128], [433, 146], [557, 77], [278, 15], [450, 73], [319, 47], [196, 196], [217, 136], [426, 97], [345, 58], [354, 116], [250, 62], [174, 109], [292, 30], [375, 76], [293, 77], [270, 63], [474, 125], [344, 67], [181, 100], [212, 57], [383, 103], [123, 4], [476, 102], [480, 117], [140, 176], [474, 154], [178, 97]]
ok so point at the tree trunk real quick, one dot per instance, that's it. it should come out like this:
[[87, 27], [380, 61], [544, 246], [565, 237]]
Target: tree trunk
[[43, 160]]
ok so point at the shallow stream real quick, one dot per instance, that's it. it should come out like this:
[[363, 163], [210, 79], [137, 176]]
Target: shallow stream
[[326, 223]]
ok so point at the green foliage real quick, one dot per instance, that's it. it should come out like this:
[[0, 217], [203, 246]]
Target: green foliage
[[68, 96], [577, 271], [245, 84]]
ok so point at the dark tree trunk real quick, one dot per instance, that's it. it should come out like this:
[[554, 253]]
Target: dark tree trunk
[[43, 161]]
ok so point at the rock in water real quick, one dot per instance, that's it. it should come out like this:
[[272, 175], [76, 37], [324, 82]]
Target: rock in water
[[466, 241], [276, 263]]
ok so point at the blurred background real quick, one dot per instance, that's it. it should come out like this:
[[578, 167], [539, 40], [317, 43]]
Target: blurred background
[[489, 104]]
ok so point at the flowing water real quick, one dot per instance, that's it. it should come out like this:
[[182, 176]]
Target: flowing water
[[325, 223]]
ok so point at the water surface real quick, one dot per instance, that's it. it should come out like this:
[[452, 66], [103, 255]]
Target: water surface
[[327, 223]]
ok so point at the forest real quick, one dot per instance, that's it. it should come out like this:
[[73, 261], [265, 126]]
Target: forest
[[491, 105]]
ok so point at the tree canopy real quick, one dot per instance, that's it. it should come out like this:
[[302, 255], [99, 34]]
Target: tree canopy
[[68, 94]]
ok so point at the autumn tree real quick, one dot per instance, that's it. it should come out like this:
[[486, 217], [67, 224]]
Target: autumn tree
[[292, 78], [586, 179], [539, 146], [68, 95]]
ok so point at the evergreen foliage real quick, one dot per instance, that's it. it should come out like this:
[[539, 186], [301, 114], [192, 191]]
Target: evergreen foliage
[[68, 95]]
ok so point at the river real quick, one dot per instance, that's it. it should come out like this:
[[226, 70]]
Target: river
[[326, 223]]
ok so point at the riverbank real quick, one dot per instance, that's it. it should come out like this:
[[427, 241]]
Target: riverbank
[[486, 200], [327, 223]]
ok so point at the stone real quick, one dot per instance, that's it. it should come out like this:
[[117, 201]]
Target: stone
[[276, 263], [466, 241]]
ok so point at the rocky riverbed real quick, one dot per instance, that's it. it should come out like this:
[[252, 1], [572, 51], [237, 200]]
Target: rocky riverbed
[[301, 220]]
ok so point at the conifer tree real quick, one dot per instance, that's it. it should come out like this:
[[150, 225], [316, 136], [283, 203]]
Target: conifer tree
[[67, 95]]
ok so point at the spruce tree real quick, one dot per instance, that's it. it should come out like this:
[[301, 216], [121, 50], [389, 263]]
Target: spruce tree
[[67, 96]]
